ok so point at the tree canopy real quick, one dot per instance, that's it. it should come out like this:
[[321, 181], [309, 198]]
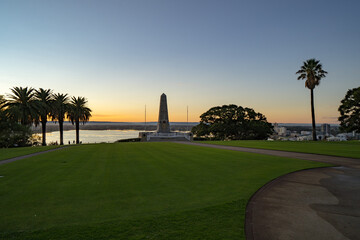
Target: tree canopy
[[12, 133], [312, 71], [78, 111], [232, 122], [350, 111], [22, 106]]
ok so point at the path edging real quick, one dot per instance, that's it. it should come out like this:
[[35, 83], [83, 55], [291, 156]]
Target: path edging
[[9, 160]]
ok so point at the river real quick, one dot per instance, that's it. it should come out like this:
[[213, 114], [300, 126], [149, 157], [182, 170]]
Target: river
[[91, 136]]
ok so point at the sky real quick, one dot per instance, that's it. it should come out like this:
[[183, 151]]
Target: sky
[[122, 55]]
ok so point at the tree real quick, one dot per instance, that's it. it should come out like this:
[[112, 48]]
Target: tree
[[2, 103], [312, 71], [231, 122], [44, 100], [11, 132], [22, 106], [350, 111], [59, 109], [78, 112]]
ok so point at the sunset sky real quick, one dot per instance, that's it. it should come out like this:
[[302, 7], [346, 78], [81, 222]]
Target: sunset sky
[[121, 55]]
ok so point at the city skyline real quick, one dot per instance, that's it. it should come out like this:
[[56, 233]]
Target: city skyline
[[122, 55]]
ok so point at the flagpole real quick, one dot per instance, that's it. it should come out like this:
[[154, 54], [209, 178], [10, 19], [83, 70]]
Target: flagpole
[[187, 117], [145, 117]]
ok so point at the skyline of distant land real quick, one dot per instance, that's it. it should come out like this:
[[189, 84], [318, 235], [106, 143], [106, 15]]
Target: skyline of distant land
[[140, 126], [182, 123]]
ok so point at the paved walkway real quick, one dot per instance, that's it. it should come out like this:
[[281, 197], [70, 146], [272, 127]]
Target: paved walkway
[[28, 155], [321, 203], [341, 161]]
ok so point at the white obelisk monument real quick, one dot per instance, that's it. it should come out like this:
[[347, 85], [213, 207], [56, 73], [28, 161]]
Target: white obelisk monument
[[163, 125], [163, 132]]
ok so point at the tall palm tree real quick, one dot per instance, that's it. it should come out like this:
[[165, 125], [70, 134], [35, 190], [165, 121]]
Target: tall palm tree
[[312, 71], [59, 109], [22, 106], [78, 111], [44, 100]]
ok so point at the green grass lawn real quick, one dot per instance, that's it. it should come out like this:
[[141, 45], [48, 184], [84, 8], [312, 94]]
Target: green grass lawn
[[344, 149], [134, 191], [6, 153]]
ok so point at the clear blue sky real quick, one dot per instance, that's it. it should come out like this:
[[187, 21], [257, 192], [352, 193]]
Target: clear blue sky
[[122, 55]]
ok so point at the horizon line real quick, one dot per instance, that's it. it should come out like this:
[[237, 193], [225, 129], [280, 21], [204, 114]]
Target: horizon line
[[197, 122]]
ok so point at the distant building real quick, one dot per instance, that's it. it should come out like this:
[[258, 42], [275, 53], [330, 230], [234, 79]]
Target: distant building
[[305, 133], [294, 134], [342, 136], [276, 127], [281, 131], [325, 129], [304, 138]]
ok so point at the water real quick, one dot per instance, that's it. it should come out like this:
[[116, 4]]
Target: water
[[92, 136]]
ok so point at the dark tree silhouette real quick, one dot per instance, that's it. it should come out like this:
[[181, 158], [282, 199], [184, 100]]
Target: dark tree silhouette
[[44, 100], [232, 122], [12, 132], [312, 71], [350, 111], [2, 102], [78, 111], [22, 106], [59, 110]]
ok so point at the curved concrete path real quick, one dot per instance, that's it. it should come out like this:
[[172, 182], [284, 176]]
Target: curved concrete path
[[28, 155], [321, 203]]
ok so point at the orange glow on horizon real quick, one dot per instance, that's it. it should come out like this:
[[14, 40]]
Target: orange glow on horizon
[[135, 118], [280, 118], [178, 112]]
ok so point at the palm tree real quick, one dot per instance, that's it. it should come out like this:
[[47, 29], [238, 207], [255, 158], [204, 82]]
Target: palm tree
[[44, 101], [78, 112], [59, 109], [312, 71], [2, 108], [2, 102], [22, 105]]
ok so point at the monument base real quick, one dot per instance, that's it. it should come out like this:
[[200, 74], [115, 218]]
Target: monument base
[[165, 137]]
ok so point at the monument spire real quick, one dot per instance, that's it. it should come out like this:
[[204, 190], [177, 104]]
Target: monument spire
[[163, 125]]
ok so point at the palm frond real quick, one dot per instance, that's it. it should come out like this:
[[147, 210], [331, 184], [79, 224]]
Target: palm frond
[[78, 110]]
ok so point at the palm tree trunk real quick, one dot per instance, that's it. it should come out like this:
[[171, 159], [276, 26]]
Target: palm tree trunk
[[77, 125], [61, 125], [313, 115], [43, 123]]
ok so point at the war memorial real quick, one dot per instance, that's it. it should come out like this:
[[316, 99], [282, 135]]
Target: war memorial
[[163, 132]]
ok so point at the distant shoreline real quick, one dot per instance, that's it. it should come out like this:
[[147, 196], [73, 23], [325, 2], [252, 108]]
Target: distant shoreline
[[150, 126], [183, 123], [53, 127]]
